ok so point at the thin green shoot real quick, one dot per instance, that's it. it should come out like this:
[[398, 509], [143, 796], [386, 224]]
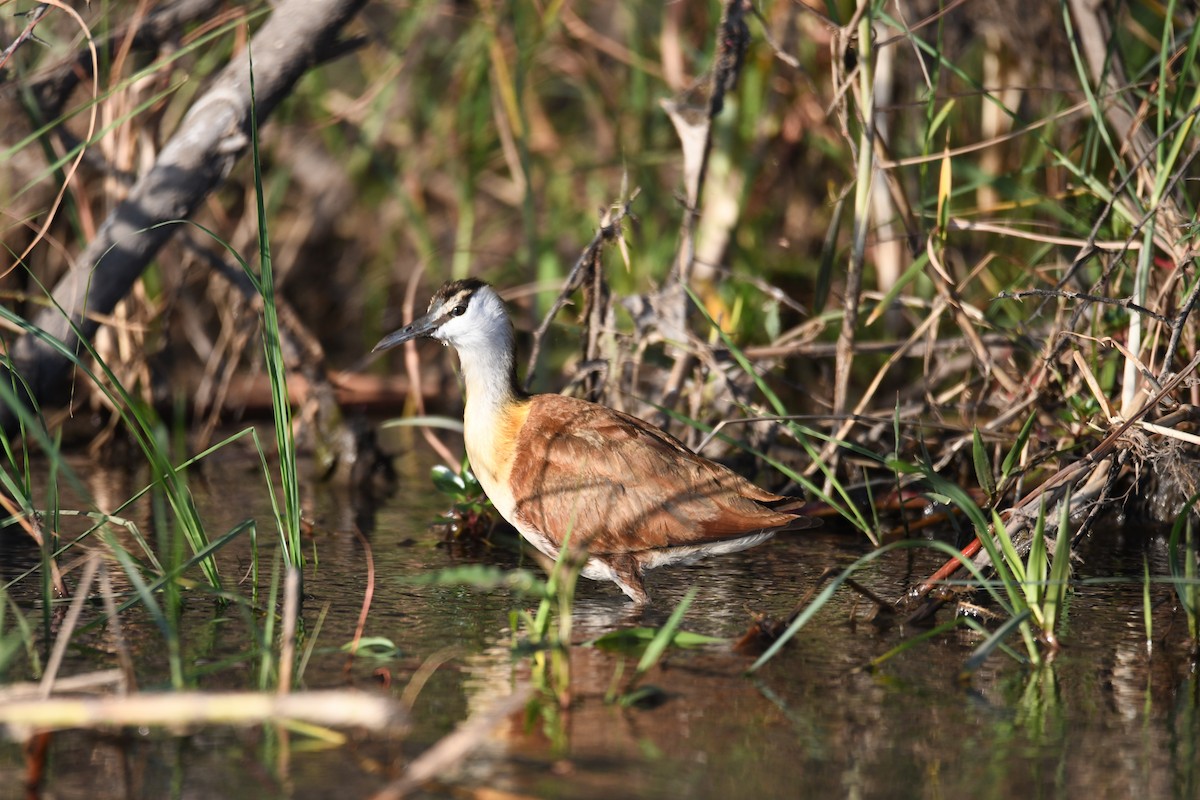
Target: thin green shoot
[[1182, 548], [1012, 458], [635, 640], [1054, 599], [276, 370], [983, 465], [912, 641]]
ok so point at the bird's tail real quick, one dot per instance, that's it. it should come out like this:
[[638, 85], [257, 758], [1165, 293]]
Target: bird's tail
[[792, 505]]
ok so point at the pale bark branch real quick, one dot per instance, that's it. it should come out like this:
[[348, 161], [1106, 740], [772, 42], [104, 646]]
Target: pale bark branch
[[212, 136]]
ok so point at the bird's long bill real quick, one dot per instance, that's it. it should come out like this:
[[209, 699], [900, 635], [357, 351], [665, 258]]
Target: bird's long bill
[[420, 327]]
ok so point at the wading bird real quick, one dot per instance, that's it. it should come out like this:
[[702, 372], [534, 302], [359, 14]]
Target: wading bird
[[561, 470]]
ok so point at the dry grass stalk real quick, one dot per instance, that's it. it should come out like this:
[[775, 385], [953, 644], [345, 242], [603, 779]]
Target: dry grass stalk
[[334, 708]]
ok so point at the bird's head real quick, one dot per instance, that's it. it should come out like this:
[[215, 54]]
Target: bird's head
[[467, 314]]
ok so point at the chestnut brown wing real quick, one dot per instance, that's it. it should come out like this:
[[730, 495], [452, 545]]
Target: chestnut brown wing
[[619, 484]]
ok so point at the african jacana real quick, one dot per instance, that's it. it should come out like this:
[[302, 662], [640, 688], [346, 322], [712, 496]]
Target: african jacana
[[629, 493]]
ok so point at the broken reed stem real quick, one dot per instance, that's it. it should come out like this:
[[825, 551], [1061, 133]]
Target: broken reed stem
[[341, 708], [291, 613]]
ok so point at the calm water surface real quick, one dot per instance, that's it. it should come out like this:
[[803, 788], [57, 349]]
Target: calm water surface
[[1110, 718]]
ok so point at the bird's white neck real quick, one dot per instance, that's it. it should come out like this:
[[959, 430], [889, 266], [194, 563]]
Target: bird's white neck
[[486, 346], [487, 357], [489, 375]]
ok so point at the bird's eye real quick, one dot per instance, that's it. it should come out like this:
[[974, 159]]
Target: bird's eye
[[458, 311]]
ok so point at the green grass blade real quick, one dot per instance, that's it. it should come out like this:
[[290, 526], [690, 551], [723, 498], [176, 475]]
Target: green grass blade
[[666, 634], [141, 422], [1014, 453], [276, 370], [1147, 608], [994, 641], [983, 464], [913, 641], [1183, 566], [1060, 572]]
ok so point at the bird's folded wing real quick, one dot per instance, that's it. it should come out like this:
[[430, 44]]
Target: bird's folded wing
[[615, 483]]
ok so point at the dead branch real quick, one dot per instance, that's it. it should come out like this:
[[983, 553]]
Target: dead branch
[[586, 267], [212, 136], [1122, 302], [34, 16], [52, 88]]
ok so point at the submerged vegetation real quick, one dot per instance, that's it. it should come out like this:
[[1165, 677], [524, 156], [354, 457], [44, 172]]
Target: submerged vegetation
[[932, 265]]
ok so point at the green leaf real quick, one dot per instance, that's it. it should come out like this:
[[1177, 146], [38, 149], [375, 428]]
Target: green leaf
[[941, 117], [1010, 460], [983, 464], [482, 576], [470, 483], [1012, 559], [1036, 593], [634, 640], [666, 634], [447, 481], [378, 647]]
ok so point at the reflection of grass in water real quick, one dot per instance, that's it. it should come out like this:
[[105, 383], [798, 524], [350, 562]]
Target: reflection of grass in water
[[543, 635], [1184, 568]]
